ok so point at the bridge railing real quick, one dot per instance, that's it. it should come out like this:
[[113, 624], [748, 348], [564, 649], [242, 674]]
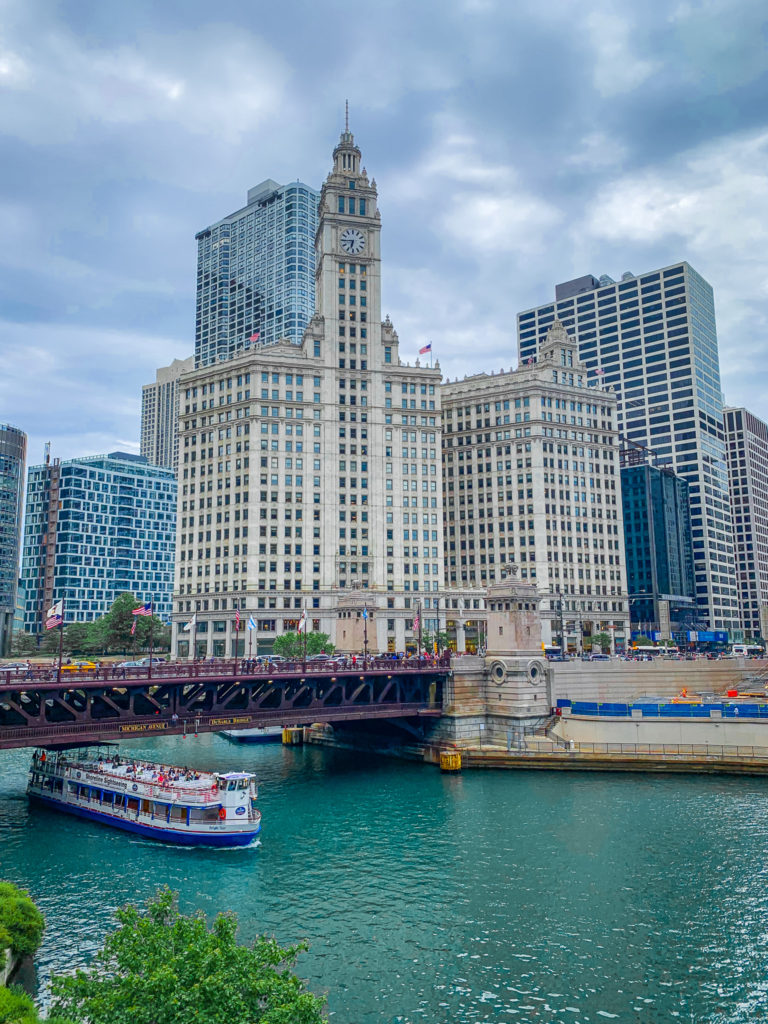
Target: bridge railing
[[217, 667]]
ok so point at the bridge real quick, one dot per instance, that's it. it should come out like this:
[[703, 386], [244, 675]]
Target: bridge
[[37, 708]]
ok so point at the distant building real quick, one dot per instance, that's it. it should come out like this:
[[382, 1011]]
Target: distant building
[[256, 272], [160, 415], [96, 528], [659, 553], [747, 442], [13, 451], [653, 339], [531, 476]]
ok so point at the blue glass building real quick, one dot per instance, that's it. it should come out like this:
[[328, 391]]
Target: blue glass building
[[653, 339], [658, 548], [13, 451], [96, 528], [256, 272]]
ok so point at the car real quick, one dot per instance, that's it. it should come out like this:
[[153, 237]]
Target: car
[[599, 657], [14, 666], [79, 666], [319, 657], [130, 664], [156, 660]]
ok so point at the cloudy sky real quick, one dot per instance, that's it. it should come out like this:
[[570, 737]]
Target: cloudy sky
[[516, 143]]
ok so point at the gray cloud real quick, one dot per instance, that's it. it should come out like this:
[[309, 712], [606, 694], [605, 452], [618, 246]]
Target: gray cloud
[[515, 145]]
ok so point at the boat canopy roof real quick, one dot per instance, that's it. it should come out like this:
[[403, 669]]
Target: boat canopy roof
[[234, 775]]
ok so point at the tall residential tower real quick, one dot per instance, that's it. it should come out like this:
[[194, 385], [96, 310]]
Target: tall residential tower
[[747, 441], [160, 415], [256, 272], [13, 450], [652, 338]]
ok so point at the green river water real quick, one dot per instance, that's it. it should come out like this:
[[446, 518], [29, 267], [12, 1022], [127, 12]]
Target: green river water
[[506, 897]]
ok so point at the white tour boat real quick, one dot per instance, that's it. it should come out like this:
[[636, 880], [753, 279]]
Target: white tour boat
[[176, 805]]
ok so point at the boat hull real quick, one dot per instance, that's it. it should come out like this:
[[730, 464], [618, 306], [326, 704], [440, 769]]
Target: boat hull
[[267, 735], [166, 835]]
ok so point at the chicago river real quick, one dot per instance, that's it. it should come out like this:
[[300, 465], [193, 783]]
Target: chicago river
[[500, 897]]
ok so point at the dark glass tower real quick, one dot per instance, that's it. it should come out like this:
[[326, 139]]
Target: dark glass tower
[[13, 451], [256, 272]]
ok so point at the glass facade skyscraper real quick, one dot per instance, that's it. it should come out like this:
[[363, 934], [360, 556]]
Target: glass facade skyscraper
[[13, 451], [659, 552], [96, 528], [256, 272], [652, 337]]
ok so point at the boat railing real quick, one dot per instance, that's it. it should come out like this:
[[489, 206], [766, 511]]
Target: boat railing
[[165, 793]]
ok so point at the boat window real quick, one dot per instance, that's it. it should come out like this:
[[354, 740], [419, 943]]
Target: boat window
[[231, 786], [243, 784]]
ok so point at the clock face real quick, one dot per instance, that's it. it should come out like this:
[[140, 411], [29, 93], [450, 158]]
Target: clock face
[[352, 241]]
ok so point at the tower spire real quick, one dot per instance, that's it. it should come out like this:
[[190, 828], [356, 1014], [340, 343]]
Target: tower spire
[[346, 115]]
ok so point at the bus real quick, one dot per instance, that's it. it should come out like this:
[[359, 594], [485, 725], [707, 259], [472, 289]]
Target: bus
[[647, 651], [746, 651]]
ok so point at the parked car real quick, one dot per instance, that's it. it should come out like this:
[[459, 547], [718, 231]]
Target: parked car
[[599, 657], [156, 660], [130, 664]]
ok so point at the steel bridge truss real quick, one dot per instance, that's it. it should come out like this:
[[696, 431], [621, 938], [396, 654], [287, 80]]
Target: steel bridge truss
[[85, 711]]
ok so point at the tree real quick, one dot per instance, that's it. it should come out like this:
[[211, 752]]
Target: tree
[[49, 642], [291, 645], [17, 1008], [21, 923], [163, 967], [601, 640], [23, 644], [428, 641]]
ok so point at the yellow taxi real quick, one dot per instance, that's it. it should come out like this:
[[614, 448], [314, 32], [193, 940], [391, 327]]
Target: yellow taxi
[[78, 666]]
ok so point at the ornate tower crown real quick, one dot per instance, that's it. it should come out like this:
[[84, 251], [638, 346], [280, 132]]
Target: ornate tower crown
[[346, 155]]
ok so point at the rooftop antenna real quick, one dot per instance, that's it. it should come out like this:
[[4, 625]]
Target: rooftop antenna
[[346, 116]]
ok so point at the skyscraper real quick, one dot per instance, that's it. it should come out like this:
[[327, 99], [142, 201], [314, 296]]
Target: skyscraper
[[160, 415], [96, 528], [256, 272], [659, 552], [531, 476], [747, 443], [309, 475], [653, 339], [13, 450]]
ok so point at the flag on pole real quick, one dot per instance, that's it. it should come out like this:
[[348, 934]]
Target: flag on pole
[[191, 624], [251, 622], [55, 615], [133, 627], [237, 620], [427, 348], [143, 609], [255, 336], [600, 372], [365, 612], [303, 621], [416, 621]]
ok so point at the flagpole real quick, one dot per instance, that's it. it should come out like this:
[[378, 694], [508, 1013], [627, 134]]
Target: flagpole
[[365, 638], [151, 648], [304, 616], [61, 641], [419, 650], [237, 631]]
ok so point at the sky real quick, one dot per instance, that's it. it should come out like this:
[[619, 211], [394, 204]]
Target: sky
[[514, 144]]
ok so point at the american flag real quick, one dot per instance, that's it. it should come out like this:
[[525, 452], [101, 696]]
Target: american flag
[[143, 609], [133, 627], [416, 621], [237, 620], [55, 615], [255, 336], [600, 372], [427, 348]]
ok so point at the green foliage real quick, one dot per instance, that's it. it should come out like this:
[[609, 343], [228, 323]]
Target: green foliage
[[23, 644], [291, 645], [20, 920], [17, 1008], [428, 642], [162, 967], [601, 640]]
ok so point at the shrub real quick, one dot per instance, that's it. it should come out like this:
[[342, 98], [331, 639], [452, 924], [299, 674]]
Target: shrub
[[20, 921]]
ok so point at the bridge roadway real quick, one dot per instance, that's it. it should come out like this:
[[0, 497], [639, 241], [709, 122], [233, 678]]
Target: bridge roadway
[[179, 698]]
